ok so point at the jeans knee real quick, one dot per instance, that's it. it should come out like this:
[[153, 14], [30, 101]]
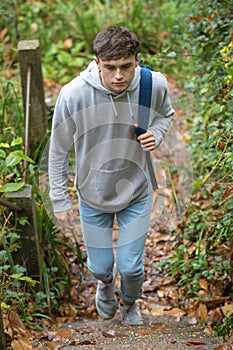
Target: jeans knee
[[101, 272], [133, 272]]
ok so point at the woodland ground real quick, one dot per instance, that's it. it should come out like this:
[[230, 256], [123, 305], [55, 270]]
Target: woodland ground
[[172, 321]]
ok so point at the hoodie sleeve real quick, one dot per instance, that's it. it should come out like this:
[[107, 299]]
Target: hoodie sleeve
[[63, 129], [161, 105]]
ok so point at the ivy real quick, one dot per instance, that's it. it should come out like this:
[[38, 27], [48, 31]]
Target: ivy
[[209, 228]]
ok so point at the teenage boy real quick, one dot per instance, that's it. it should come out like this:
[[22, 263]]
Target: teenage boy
[[97, 111]]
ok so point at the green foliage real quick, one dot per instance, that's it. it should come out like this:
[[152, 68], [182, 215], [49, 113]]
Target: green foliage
[[223, 329], [19, 289], [212, 124], [206, 231], [11, 165], [212, 143], [16, 288], [10, 110], [66, 41], [199, 255]]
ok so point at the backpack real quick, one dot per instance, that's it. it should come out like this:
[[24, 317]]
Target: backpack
[[144, 113]]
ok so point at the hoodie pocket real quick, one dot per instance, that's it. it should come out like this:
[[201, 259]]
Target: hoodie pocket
[[112, 185]]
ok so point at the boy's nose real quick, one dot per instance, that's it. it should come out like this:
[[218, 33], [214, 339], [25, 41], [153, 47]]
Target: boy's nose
[[118, 74]]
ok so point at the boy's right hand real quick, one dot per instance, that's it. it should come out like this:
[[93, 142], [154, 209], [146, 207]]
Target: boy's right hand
[[65, 219]]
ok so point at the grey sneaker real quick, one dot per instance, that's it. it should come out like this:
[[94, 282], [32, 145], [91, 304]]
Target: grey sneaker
[[106, 303], [130, 314]]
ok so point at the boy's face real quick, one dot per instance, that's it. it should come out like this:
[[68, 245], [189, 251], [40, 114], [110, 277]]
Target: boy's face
[[116, 75]]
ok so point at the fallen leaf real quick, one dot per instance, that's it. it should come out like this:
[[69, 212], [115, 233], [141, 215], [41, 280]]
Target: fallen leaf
[[205, 204], [144, 333], [20, 344], [228, 190], [160, 293], [216, 316], [167, 280], [208, 330], [164, 192], [83, 330], [16, 323], [202, 312], [227, 310], [223, 347], [192, 248], [150, 285], [160, 306], [213, 301], [175, 312], [195, 342], [203, 284], [69, 310], [202, 293], [161, 237], [86, 342], [63, 334], [158, 326], [157, 312], [110, 333], [173, 294], [52, 345]]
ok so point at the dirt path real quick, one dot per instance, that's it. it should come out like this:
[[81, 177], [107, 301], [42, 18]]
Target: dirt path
[[157, 333]]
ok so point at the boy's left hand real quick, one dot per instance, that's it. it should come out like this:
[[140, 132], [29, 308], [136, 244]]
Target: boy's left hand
[[147, 141]]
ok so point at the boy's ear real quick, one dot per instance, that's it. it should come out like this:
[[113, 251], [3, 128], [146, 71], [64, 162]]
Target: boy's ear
[[96, 60], [97, 63], [137, 59]]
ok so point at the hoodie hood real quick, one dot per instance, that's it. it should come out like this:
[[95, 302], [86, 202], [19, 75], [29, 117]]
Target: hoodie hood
[[91, 76]]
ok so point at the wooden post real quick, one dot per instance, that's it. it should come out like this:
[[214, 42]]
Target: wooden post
[[29, 254], [29, 60], [2, 334], [35, 131]]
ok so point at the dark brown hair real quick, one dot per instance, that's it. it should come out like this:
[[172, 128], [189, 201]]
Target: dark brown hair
[[114, 43]]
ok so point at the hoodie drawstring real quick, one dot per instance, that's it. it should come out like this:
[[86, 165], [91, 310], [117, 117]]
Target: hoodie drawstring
[[129, 104], [113, 106], [130, 107]]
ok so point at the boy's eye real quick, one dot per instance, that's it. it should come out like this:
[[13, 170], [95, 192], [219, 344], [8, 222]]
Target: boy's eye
[[112, 68], [109, 67]]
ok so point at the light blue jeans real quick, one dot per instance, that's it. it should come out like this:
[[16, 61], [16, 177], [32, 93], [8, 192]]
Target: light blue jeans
[[97, 227]]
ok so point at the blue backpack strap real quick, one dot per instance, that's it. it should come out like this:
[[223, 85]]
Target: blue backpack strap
[[144, 113], [144, 97]]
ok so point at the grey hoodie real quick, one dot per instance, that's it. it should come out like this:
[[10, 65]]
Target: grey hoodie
[[111, 167]]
